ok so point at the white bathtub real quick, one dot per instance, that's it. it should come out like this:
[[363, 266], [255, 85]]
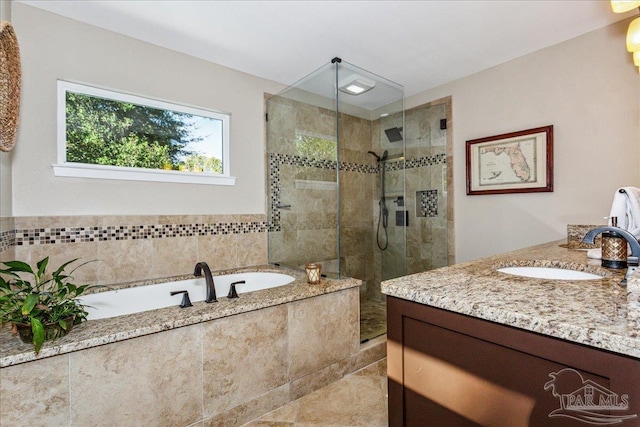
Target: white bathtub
[[143, 298]]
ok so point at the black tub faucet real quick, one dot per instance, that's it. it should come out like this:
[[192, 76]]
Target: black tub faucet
[[186, 301], [232, 289], [211, 288]]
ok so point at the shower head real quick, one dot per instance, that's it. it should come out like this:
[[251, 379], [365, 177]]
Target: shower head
[[394, 134], [374, 155]]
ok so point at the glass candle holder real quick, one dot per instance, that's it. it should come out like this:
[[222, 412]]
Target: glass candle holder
[[313, 273]]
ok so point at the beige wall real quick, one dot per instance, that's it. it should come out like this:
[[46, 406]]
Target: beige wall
[[586, 87], [5, 158], [54, 48], [5, 185], [589, 90]]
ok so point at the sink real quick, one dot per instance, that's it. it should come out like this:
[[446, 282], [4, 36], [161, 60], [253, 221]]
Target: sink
[[550, 273]]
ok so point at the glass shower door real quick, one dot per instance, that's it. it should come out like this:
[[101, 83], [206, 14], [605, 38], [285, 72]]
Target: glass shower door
[[302, 164], [335, 148]]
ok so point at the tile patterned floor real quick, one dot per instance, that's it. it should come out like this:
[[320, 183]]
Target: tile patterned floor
[[357, 400], [373, 318]]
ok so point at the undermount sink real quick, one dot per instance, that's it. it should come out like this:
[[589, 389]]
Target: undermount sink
[[549, 273]]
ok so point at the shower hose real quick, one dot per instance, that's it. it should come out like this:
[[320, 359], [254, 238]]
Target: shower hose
[[383, 219]]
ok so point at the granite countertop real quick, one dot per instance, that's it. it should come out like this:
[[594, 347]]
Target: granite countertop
[[596, 313], [104, 331]]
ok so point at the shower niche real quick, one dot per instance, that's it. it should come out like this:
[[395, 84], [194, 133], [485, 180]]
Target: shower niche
[[336, 156]]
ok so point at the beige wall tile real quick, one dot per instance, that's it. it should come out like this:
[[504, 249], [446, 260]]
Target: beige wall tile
[[7, 223], [151, 380], [252, 249], [252, 218], [35, 393], [322, 331], [174, 256], [244, 357], [219, 251], [30, 222], [8, 255], [125, 260], [180, 219], [117, 220], [61, 253]]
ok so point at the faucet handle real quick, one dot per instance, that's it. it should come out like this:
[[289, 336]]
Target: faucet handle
[[186, 301], [232, 289]]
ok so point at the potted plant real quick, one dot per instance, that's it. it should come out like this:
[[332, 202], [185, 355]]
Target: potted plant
[[41, 307]]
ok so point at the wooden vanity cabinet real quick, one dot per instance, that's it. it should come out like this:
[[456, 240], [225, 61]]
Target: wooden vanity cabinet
[[447, 370]]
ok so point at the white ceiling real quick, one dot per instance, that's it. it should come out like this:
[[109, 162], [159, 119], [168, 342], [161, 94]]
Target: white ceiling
[[418, 44]]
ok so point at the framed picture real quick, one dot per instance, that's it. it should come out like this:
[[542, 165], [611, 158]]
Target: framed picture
[[517, 162]]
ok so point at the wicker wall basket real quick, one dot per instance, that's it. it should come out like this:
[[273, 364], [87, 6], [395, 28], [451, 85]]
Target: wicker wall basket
[[10, 75]]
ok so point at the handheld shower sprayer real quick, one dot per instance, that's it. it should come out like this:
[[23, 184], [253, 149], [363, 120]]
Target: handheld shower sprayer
[[383, 217]]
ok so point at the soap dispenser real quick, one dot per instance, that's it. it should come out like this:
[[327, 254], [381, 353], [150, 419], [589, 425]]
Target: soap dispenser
[[614, 248]]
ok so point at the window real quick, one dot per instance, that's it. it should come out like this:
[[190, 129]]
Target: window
[[111, 135], [320, 153]]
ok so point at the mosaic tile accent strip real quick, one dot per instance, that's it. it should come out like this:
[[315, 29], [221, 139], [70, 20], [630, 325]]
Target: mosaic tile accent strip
[[428, 206], [48, 236], [417, 163], [7, 240], [277, 159]]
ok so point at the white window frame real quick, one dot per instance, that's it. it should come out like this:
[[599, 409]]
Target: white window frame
[[86, 170]]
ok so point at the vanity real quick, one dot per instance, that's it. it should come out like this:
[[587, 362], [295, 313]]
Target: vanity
[[468, 345]]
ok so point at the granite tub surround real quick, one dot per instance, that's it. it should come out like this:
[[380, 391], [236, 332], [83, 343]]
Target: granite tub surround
[[592, 312], [104, 331], [223, 372]]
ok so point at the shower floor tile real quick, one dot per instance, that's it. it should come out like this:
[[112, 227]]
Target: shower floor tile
[[373, 319], [357, 400]]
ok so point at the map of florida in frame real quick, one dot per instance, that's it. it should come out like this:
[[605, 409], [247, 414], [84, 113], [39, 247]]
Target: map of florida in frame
[[512, 162], [515, 162]]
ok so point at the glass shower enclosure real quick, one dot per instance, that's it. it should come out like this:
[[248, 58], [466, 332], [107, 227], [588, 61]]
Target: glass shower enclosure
[[335, 153]]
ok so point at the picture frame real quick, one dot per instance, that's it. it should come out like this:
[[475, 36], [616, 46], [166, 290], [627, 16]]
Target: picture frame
[[516, 162]]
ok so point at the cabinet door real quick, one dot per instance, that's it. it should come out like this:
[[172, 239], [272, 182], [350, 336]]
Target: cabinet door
[[453, 370], [454, 379]]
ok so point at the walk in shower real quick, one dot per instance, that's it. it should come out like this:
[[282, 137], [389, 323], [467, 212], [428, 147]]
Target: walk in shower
[[336, 152]]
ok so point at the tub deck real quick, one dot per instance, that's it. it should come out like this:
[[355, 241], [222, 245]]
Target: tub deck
[[104, 331]]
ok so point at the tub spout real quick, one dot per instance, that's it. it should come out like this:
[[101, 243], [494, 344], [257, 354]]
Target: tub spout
[[211, 288]]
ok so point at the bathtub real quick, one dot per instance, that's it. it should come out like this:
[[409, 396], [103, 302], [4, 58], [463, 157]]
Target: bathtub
[[150, 297]]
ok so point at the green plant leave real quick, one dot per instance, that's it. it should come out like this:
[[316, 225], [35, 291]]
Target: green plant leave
[[29, 303], [38, 334], [41, 299], [19, 266], [42, 266]]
